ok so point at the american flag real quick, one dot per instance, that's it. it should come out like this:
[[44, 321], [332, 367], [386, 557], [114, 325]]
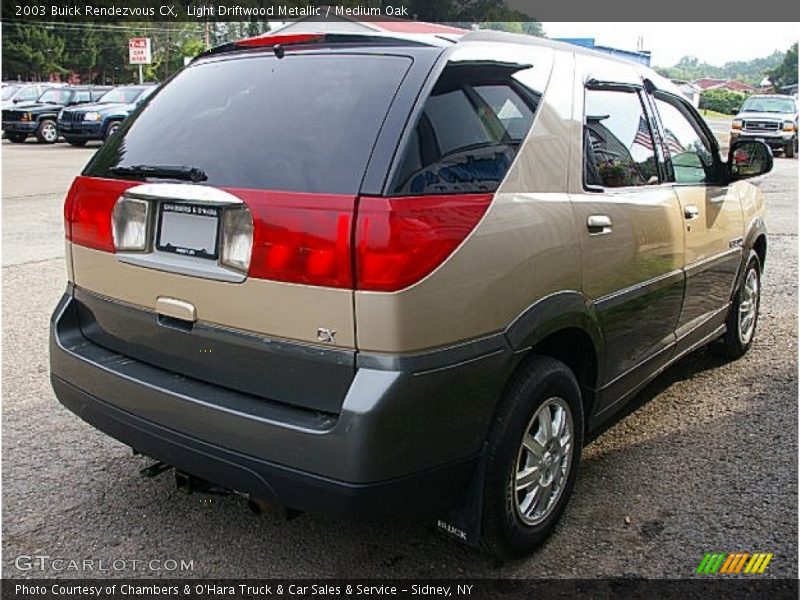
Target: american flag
[[674, 145], [643, 138]]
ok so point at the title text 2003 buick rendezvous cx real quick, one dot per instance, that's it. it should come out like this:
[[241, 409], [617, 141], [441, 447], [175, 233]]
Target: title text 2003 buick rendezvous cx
[[400, 276]]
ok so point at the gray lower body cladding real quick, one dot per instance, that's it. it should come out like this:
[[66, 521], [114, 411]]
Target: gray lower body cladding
[[405, 440]]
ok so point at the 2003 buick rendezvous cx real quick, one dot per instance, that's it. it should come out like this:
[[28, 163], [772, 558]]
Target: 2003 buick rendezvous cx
[[400, 275]]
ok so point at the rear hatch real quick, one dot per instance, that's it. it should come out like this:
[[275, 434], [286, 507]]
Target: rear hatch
[[212, 236]]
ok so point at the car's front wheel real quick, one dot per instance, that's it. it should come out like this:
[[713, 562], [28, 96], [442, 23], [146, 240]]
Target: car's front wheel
[[112, 129], [47, 132], [532, 458], [790, 149], [743, 316]]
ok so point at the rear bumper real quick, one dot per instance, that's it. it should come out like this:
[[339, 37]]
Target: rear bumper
[[421, 494], [406, 441]]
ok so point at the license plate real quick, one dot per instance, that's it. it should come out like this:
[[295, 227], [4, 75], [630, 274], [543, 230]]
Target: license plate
[[189, 229]]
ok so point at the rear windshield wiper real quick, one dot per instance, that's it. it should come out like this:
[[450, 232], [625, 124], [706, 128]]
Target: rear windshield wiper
[[162, 172]]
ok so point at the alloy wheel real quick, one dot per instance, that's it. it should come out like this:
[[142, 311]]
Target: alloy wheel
[[543, 461], [748, 306]]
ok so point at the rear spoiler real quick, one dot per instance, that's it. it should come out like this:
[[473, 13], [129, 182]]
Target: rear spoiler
[[280, 41]]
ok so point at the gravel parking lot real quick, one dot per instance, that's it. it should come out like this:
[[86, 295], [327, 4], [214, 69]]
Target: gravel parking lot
[[708, 462]]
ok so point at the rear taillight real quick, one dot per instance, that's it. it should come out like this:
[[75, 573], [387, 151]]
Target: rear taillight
[[401, 240], [301, 238], [88, 211], [310, 239]]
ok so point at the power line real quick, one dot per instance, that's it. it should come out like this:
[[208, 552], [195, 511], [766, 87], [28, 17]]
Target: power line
[[94, 26]]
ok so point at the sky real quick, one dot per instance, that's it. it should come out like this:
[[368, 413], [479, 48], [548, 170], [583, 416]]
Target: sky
[[714, 43]]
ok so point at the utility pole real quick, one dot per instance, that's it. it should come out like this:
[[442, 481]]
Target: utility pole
[[166, 62], [207, 35]]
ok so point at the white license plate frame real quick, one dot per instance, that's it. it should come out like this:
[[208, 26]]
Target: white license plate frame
[[189, 230]]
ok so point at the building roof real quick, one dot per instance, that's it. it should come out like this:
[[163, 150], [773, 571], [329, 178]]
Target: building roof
[[709, 83]]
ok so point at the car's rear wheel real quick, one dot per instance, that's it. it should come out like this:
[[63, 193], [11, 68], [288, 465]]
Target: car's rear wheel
[[47, 132], [17, 138], [743, 315], [112, 129], [75, 141], [532, 458]]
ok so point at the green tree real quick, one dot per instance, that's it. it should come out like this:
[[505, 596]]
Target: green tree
[[785, 73], [749, 71], [722, 101], [31, 52]]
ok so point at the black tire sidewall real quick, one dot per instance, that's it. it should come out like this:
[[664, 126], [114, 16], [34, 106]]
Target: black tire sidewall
[[505, 534]]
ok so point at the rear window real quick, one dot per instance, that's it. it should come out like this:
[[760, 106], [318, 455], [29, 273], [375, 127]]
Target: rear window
[[121, 95], [300, 123]]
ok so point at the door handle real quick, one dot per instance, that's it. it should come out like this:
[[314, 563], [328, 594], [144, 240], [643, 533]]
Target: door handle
[[691, 212], [599, 224]]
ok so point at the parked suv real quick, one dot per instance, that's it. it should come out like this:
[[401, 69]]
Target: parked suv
[[413, 280], [15, 92], [39, 118], [100, 120], [769, 118]]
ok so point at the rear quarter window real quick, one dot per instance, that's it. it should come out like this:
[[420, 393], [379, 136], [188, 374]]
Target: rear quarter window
[[305, 122], [470, 128]]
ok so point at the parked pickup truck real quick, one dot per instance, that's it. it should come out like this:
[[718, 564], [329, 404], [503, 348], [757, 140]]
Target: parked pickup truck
[[769, 118]]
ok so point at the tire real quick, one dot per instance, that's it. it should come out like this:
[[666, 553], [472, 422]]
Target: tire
[[741, 331], [77, 142], [514, 522], [112, 128], [17, 138], [789, 149], [47, 132]]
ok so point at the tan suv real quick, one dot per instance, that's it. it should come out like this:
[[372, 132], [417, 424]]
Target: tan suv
[[386, 275]]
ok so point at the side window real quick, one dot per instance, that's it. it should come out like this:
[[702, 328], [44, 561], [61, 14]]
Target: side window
[[97, 94], [29, 93], [687, 150], [81, 97], [617, 141], [470, 130]]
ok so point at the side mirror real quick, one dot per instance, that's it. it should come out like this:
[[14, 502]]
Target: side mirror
[[749, 158]]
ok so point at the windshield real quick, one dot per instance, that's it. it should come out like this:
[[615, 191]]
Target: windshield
[[9, 91], [304, 123], [770, 105], [55, 96], [121, 95]]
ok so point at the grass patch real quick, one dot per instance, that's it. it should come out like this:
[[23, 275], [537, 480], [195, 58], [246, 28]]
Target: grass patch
[[712, 114]]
